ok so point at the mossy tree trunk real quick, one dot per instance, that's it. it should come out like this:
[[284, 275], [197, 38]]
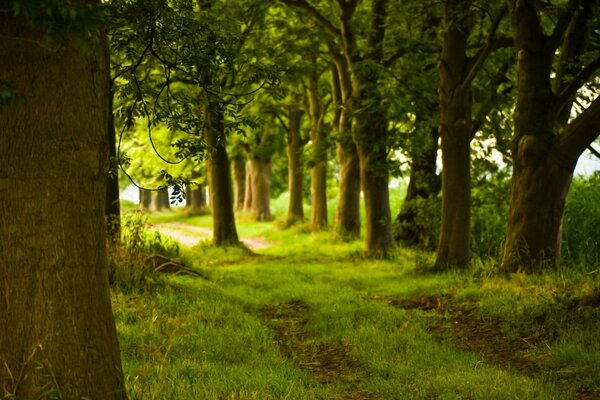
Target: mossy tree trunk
[[370, 129], [295, 151], [457, 72], [423, 185], [319, 138], [219, 175], [545, 147], [57, 332], [347, 217], [113, 206], [239, 180]]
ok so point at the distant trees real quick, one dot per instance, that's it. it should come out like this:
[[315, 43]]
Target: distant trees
[[58, 337]]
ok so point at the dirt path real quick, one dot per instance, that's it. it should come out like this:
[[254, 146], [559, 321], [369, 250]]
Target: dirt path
[[190, 235]]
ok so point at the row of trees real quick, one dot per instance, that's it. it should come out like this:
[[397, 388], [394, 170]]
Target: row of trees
[[361, 75]]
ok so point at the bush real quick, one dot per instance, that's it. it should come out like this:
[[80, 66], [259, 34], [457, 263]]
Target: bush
[[130, 269], [581, 222]]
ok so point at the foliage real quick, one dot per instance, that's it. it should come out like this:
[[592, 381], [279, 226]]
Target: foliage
[[581, 222], [130, 267]]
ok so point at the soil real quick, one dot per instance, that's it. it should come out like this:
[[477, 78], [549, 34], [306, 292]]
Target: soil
[[327, 362]]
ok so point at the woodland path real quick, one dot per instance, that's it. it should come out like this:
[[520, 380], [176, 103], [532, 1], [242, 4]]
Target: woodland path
[[190, 235]]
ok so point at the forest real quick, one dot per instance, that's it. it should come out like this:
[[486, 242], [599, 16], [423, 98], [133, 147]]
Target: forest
[[299, 199]]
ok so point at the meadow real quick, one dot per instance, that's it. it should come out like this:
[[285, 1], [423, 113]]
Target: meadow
[[310, 317]]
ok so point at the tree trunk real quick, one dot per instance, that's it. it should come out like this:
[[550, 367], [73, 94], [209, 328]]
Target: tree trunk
[[113, 206], [239, 181], [261, 188], [145, 200], [199, 205], [320, 146], [219, 177], [248, 187], [370, 131], [347, 221], [295, 148], [538, 191], [455, 130], [545, 147], [57, 334], [160, 200], [370, 134], [423, 184]]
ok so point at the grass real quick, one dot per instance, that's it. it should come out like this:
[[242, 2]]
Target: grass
[[312, 318]]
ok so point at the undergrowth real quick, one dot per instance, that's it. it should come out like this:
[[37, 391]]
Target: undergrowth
[[130, 267]]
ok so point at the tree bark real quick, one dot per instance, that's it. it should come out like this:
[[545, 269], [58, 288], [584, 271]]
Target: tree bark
[[320, 146], [248, 186], [261, 188], [454, 248], [239, 181], [370, 130], [545, 148], [295, 148], [347, 220], [58, 336], [219, 176], [370, 134], [423, 184], [145, 200], [113, 206], [160, 200]]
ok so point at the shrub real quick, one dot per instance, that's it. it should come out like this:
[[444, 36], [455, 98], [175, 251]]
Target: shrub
[[130, 269], [581, 222]]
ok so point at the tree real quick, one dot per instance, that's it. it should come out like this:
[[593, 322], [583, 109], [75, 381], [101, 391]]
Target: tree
[[363, 59], [552, 70], [319, 137], [457, 72], [58, 336]]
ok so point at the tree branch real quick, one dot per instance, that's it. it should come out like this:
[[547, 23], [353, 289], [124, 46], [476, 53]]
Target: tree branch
[[485, 51], [581, 132], [319, 18], [584, 75], [561, 26]]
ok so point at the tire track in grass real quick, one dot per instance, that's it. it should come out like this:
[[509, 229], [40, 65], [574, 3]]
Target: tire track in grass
[[327, 363], [465, 327]]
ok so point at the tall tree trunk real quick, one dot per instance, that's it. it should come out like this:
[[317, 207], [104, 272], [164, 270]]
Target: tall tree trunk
[[219, 177], [261, 188], [423, 185], [57, 334], [295, 148], [370, 134], [545, 147], [370, 130], [239, 181], [454, 249], [113, 206], [347, 221], [320, 146]]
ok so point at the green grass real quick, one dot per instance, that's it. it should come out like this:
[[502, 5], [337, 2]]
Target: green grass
[[312, 318]]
